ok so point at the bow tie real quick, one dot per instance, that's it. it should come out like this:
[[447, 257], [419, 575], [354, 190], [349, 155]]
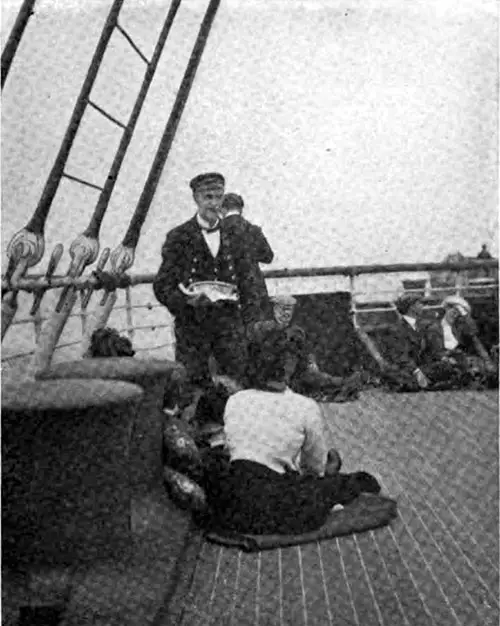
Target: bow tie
[[211, 229]]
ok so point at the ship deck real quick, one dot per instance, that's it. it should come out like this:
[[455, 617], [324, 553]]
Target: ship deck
[[436, 564]]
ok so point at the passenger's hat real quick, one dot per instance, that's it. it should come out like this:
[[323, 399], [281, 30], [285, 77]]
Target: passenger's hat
[[457, 301], [211, 180], [406, 301], [232, 200]]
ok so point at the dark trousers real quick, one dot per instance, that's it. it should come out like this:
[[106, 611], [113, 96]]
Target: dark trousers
[[211, 405], [219, 335], [250, 498], [441, 374]]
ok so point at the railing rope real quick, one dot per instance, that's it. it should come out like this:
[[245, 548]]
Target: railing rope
[[25, 12], [33, 233], [123, 258], [125, 253], [85, 248], [134, 230]]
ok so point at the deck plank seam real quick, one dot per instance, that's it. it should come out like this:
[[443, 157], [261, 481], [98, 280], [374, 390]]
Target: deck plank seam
[[464, 556], [476, 523], [443, 556], [349, 591], [191, 587], [426, 460], [389, 577], [302, 585], [257, 589], [280, 576], [429, 568], [369, 582], [235, 591], [412, 577], [325, 590]]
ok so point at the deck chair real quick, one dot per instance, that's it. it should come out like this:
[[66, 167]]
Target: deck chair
[[371, 321]]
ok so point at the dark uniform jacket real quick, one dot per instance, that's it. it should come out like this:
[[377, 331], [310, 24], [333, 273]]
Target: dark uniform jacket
[[250, 247], [424, 346], [256, 243], [409, 348], [186, 258]]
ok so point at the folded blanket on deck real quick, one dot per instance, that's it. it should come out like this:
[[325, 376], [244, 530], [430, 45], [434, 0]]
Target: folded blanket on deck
[[365, 513]]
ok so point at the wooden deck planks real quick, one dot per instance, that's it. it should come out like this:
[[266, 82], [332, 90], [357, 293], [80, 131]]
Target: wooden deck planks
[[436, 565]]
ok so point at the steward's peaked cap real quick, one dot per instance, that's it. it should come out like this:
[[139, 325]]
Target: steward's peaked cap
[[209, 180], [232, 200]]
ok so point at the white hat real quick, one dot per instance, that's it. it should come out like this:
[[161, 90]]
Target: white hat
[[457, 301]]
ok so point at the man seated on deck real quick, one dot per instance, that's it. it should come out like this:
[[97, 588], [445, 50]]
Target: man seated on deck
[[281, 477], [425, 354], [304, 375]]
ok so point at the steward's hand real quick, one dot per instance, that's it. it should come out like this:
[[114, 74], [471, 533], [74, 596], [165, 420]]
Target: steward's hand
[[199, 300]]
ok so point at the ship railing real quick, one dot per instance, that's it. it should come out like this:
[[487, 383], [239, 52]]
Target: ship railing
[[373, 289]]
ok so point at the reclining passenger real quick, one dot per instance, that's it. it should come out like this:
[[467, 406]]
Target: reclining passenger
[[427, 354], [457, 341], [281, 477]]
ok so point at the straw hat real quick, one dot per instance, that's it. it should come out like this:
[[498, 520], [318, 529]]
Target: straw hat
[[456, 301]]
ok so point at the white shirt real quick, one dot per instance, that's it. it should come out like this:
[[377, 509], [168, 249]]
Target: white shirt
[[212, 239], [276, 429], [411, 321], [450, 341]]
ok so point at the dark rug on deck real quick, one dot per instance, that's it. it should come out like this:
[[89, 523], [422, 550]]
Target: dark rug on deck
[[365, 513]]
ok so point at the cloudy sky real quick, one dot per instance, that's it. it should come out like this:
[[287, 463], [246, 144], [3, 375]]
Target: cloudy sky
[[357, 131]]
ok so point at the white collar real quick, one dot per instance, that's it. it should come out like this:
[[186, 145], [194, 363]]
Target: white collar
[[204, 224]]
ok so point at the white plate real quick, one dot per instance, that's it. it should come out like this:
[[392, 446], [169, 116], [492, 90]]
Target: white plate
[[215, 290]]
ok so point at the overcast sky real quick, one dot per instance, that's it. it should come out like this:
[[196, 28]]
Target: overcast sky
[[357, 132]]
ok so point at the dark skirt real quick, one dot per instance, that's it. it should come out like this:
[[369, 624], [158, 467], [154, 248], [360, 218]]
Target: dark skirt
[[250, 498]]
